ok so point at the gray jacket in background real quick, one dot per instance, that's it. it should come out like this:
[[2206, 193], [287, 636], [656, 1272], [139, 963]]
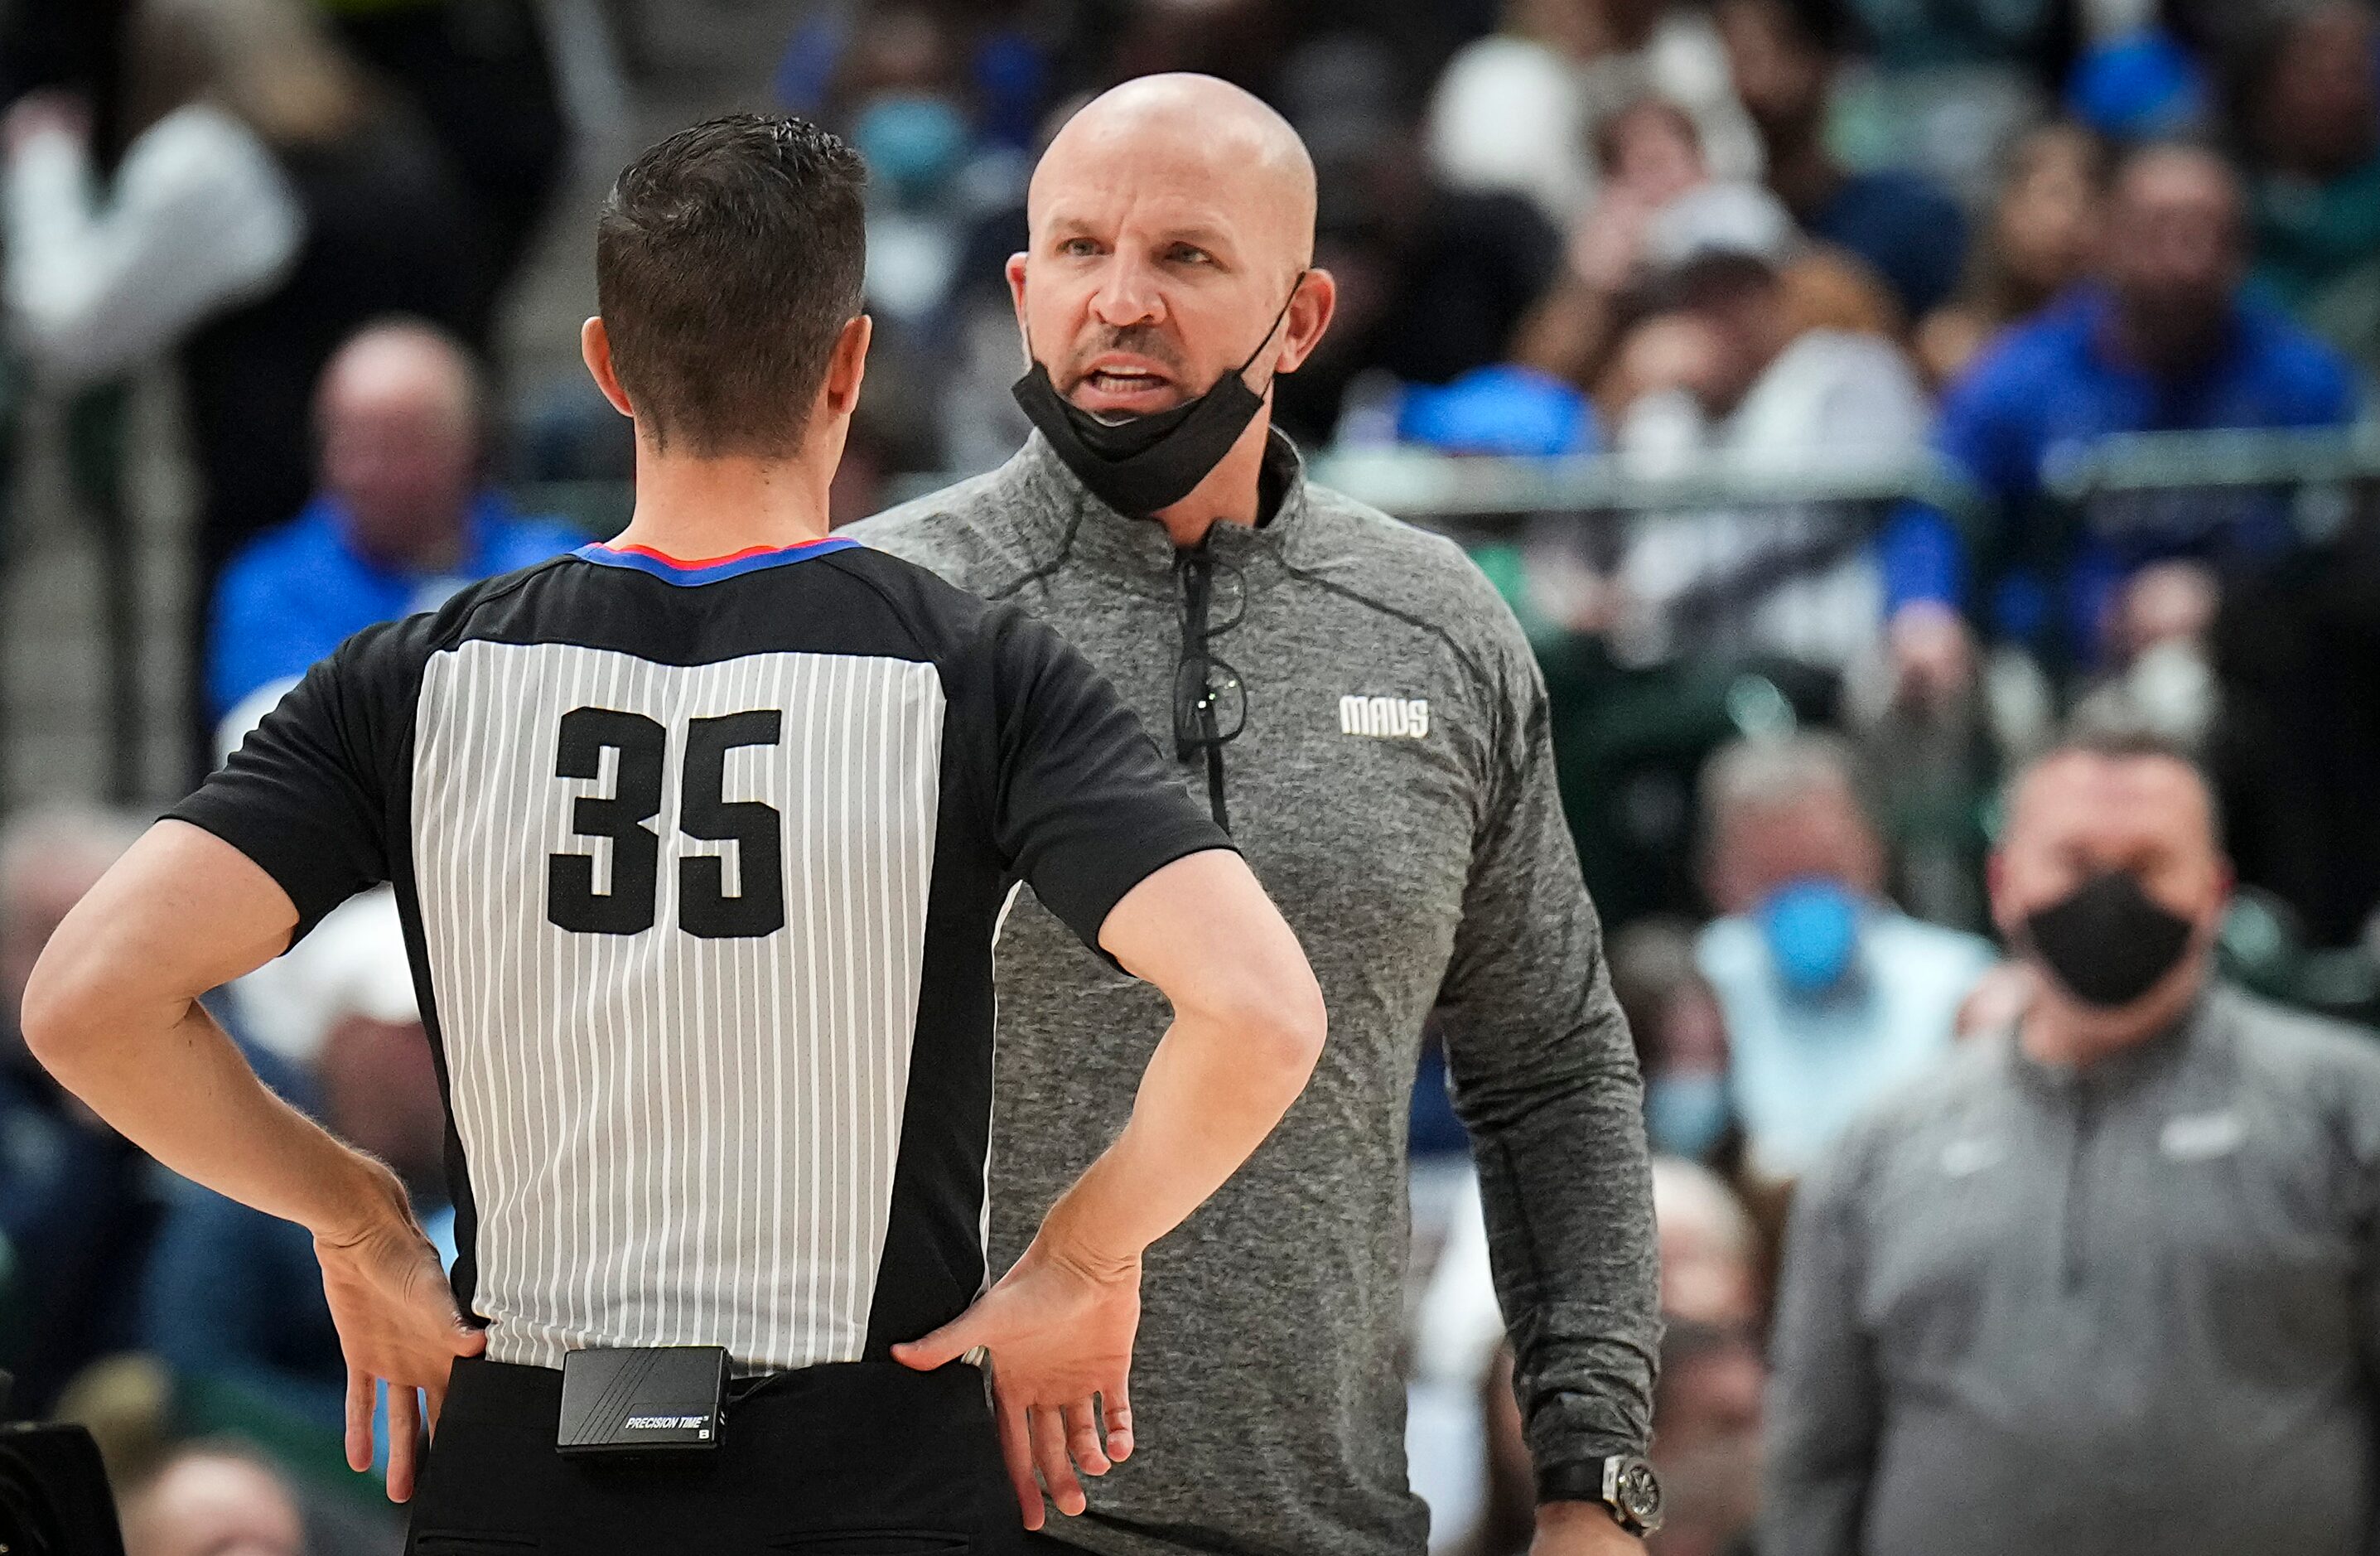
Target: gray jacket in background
[[1394, 791], [2125, 1311]]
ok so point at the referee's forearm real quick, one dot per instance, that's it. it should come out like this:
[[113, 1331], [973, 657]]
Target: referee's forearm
[[180, 1090], [1215, 1087], [111, 1011]]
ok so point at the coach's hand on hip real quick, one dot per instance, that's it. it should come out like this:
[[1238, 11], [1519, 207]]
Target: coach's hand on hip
[[397, 1324], [1059, 1326]]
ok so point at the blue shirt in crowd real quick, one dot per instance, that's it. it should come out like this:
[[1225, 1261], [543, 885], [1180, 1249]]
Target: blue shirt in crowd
[[2052, 382], [1801, 1066], [295, 594], [1903, 226]]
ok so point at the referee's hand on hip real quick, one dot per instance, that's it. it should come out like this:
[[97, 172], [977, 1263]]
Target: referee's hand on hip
[[113, 1011], [397, 1325], [1248, 1024], [1059, 1332]]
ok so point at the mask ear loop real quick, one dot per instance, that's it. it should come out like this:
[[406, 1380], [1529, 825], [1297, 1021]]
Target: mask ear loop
[[1273, 329]]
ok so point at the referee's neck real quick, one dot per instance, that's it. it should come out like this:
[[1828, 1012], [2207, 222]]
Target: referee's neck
[[690, 506]]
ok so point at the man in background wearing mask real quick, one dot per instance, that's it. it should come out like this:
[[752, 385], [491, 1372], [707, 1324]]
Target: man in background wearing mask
[[1351, 699], [2103, 1282], [1831, 995]]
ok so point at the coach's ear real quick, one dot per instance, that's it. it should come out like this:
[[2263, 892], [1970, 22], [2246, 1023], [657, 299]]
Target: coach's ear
[[595, 347], [846, 365]]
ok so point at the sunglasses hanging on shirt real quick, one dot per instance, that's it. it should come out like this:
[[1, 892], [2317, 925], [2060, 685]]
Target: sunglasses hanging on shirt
[[1211, 699]]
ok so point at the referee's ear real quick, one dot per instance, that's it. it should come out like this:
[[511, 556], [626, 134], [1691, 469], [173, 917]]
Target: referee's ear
[[846, 366], [595, 348]]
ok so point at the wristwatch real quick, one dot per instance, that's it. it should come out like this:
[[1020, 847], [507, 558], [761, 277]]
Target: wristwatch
[[1623, 1483]]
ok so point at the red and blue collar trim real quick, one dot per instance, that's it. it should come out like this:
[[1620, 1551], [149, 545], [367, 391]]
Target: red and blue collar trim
[[688, 574]]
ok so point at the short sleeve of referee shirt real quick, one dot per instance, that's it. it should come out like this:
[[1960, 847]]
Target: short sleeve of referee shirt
[[1086, 809], [307, 795]]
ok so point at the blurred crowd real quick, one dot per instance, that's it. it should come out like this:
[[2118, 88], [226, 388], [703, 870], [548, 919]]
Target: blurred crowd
[[1880, 276]]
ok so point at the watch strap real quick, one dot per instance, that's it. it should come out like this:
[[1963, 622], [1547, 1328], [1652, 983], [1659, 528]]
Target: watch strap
[[1586, 1480], [1578, 1480]]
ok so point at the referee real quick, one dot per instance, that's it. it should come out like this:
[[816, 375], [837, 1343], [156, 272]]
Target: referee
[[1352, 699], [701, 839]]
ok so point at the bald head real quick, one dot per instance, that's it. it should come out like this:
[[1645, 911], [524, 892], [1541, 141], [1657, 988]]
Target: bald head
[[403, 363], [1171, 219], [1193, 137], [398, 407]]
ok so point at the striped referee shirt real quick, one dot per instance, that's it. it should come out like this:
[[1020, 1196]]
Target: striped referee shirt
[[700, 866]]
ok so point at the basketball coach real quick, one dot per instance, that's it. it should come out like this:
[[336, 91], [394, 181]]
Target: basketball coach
[[1352, 699]]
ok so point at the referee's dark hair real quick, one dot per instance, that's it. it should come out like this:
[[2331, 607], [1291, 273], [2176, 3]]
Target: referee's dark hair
[[727, 260]]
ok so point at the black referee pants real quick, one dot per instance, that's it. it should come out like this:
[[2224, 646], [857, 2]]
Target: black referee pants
[[853, 1459]]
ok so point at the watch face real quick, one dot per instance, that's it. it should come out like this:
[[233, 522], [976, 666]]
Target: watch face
[[1639, 1493]]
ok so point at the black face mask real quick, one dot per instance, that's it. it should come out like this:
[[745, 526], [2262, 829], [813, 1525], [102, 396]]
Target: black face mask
[[1144, 463], [2108, 941]]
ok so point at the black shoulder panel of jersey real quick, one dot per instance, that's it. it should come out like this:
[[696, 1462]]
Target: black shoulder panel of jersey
[[849, 601]]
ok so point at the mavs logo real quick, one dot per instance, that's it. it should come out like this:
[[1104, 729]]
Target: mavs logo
[[1393, 717]]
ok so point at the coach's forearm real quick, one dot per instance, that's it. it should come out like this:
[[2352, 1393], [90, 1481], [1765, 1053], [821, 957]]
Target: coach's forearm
[[1215, 1087], [1564, 1183], [168, 1079]]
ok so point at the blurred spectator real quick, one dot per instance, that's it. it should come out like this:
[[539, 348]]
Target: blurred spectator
[[1507, 1515], [1950, 86], [268, 204], [78, 1204], [1707, 1445], [1783, 56], [2064, 1289], [234, 1296], [126, 1401], [1239, 41], [1706, 1448], [1649, 153], [1710, 1248], [1433, 281], [940, 100], [1710, 1285], [2309, 118], [213, 1499], [1727, 368], [1521, 110], [288, 1007], [479, 72], [2037, 241], [403, 519], [899, 93], [2299, 739], [1831, 995], [76, 45], [2140, 85], [2164, 342], [1681, 1040]]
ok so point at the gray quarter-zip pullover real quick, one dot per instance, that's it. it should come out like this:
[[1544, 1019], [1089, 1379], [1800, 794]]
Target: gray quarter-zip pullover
[[2123, 1311], [1393, 788]]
